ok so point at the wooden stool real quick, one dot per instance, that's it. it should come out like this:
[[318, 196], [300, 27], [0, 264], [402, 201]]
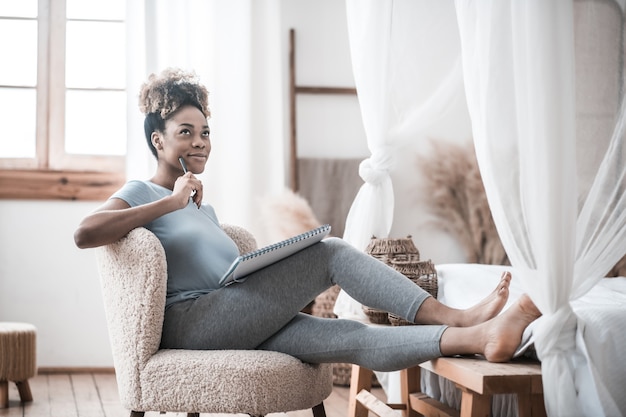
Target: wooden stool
[[17, 359], [477, 379]]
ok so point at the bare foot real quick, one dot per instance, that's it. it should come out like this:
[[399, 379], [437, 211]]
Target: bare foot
[[503, 334], [433, 312], [490, 306]]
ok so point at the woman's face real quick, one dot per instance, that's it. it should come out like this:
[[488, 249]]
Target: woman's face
[[186, 135]]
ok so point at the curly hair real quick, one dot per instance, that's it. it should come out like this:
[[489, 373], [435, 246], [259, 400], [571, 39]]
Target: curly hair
[[164, 94], [167, 92]]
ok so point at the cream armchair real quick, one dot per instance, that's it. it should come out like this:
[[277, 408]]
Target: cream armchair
[[133, 275]]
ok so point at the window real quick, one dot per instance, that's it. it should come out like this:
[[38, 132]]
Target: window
[[63, 107]]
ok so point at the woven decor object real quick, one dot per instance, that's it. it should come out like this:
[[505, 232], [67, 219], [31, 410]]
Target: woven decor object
[[401, 255], [325, 303], [422, 273], [375, 315], [389, 249]]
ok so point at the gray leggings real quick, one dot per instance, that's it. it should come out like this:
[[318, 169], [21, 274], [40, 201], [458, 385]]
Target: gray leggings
[[263, 312]]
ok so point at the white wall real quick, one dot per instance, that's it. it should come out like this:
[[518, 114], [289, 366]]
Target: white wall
[[45, 280], [327, 125]]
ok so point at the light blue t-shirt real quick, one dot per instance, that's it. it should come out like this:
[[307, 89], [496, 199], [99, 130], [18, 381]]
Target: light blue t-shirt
[[197, 249]]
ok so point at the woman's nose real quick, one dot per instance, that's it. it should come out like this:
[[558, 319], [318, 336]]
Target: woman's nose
[[198, 142]]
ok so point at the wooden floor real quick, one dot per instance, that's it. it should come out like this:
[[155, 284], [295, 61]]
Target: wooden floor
[[95, 395]]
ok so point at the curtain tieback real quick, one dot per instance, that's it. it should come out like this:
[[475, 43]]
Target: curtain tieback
[[375, 169], [556, 333]]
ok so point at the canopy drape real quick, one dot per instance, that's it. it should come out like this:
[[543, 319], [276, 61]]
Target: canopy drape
[[531, 135], [544, 84], [402, 99]]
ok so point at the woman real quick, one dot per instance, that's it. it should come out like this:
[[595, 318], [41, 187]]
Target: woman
[[264, 311]]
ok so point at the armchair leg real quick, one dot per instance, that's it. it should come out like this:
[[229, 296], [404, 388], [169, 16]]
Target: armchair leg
[[193, 414], [319, 410], [137, 413]]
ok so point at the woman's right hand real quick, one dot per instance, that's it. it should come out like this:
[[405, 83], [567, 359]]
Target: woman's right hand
[[187, 186]]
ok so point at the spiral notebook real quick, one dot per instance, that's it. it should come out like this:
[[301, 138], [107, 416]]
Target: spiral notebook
[[252, 261]]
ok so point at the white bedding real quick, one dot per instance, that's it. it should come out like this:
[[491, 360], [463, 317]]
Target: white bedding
[[601, 314]]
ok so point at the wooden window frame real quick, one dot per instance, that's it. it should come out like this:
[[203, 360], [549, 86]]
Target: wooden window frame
[[47, 176]]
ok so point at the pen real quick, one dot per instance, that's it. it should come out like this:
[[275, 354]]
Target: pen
[[182, 164]]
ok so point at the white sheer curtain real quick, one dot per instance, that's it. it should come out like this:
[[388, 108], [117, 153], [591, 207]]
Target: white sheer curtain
[[220, 41], [544, 83], [405, 88], [533, 139], [399, 96]]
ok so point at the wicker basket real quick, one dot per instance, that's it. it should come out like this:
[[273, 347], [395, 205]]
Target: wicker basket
[[401, 255], [325, 303], [342, 373], [376, 316], [399, 321], [422, 273], [388, 249]]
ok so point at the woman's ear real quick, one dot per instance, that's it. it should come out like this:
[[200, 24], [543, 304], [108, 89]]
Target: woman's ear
[[156, 140]]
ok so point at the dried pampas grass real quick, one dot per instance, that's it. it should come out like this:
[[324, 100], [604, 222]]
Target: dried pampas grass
[[455, 194], [619, 270]]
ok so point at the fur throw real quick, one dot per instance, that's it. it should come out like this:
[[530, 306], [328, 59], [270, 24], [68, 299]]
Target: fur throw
[[286, 215]]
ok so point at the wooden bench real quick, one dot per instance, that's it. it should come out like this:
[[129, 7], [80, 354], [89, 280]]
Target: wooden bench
[[477, 379]]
